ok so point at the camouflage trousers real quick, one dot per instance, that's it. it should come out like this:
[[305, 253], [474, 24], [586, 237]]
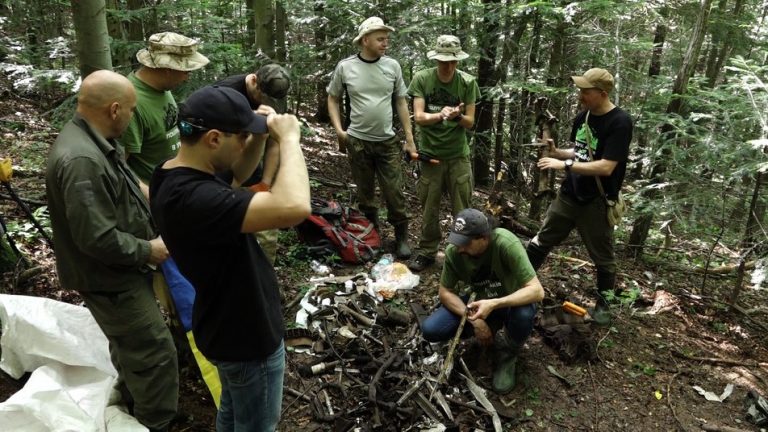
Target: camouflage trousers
[[453, 176], [268, 242], [371, 160]]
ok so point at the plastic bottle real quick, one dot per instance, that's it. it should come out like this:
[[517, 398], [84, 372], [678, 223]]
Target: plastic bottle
[[383, 267]]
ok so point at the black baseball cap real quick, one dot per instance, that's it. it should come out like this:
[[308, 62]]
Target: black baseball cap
[[221, 108], [468, 224]]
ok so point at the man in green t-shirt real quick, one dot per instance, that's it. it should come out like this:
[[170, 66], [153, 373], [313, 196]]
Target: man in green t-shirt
[[443, 108], [494, 265], [152, 136]]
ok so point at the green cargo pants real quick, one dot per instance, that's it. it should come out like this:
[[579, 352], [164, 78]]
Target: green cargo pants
[[565, 214], [142, 351], [370, 160], [453, 176]]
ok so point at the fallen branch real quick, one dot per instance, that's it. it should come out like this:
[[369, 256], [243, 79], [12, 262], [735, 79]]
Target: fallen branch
[[716, 428], [448, 365], [719, 360]]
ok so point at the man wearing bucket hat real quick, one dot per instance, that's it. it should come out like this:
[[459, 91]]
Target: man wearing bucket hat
[[152, 136], [444, 108], [371, 79], [237, 320], [266, 90], [493, 264], [600, 135]]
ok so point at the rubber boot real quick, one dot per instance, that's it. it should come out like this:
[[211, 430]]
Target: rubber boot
[[402, 250], [506, 367], [373, 216], [606, 283], [536, 256]]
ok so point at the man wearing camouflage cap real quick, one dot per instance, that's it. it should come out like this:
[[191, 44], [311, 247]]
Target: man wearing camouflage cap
[[600, 136], [152, 136], [371, 79], [443, 108], [266, 90]]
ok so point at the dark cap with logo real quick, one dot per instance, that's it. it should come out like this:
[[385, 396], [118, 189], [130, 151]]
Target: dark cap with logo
[[468, 224], [220, 108]]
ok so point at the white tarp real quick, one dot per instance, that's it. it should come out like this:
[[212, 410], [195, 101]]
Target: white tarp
[[71, 386]]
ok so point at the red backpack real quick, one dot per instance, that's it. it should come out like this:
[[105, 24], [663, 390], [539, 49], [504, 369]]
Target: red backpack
[[342, 230]]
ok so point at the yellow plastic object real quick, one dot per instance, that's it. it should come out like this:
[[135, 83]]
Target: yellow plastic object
[[6, 170], [207, 369]]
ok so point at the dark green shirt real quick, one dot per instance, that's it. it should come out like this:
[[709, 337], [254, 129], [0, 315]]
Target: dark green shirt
[[101, 223], [501, 270]]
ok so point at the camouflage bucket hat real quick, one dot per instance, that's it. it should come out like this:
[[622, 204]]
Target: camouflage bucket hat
[[172, 51], [371, 25], [448, 48]]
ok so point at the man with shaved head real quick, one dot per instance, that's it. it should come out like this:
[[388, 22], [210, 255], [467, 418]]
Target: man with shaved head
[[106, 246]]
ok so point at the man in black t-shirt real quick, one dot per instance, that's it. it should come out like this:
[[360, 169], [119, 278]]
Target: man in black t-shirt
[[205, 222], [601, 136], [266, 90]]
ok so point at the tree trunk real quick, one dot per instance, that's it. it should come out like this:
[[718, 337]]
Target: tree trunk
[[748, 242], [322, 96], [486, 79], [90, 22], [281, 29], [264, 22], [642, 224]]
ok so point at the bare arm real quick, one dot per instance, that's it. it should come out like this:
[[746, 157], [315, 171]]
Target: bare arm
[[423, 118], [271, 161], [334, 112], [602, 167], [287, 203], [405, 120], [455, 304], [244, 166], [531, 292]]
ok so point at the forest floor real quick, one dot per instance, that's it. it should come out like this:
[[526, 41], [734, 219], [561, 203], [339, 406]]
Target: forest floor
[[640, 377]]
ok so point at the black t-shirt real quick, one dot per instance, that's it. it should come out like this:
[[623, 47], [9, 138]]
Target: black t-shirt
[[237, 314], [611, 135]]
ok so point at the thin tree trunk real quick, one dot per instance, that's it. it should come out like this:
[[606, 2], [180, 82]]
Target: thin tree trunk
[[281, 29], [748, 243]]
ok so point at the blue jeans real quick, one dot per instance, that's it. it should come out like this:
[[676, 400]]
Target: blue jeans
[[442, 324], [251, 394]]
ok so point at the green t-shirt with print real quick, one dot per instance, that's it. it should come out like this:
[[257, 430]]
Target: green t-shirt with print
[[447, 139], [152, 135], [501, 270]]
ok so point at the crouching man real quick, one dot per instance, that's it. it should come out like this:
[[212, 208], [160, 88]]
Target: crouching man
[[237, 320], [493, 263]]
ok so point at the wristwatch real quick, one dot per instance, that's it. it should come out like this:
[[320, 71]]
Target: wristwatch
[[568, 164]]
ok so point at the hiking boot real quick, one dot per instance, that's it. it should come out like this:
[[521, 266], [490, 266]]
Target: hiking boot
[[373, 216], [402, 250], [601, 313], [504, 373], [420, 263]]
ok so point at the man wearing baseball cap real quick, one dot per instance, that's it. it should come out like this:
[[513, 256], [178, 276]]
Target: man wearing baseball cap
[[152, 136], [205, 221], [600, 135], [492, 263], [266, 90], [371, 80], [443, 108]]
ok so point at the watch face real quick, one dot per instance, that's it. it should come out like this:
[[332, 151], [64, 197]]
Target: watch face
[[569, 162]]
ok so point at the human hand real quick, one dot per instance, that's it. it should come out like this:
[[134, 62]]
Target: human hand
[[281, 126], [454, 111], [265, 110], [480, 309], [342, 137], [550, 163], [157, 251], [483, 333]]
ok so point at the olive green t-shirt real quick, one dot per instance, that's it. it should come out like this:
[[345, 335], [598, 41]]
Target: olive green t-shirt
[[152, 135], [447, 139], [501, 270]]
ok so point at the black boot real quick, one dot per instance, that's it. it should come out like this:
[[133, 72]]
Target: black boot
[[402, 250], [373, 216], [606, 287], [536, 256]]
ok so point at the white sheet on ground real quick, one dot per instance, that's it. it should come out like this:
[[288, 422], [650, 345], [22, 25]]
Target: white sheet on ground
[[71, 386]]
